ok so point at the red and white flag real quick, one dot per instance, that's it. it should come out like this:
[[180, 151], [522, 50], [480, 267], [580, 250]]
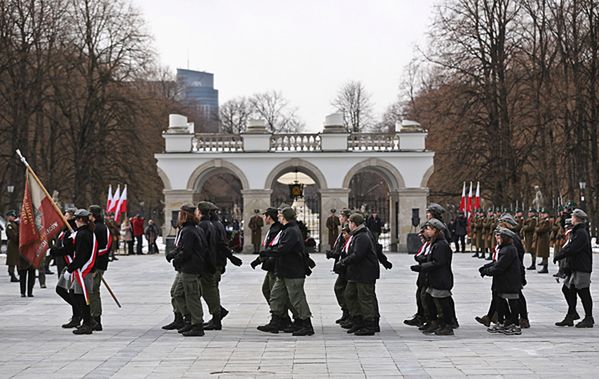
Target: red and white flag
[[463, 200], [121, 205], [40, 221], [115, 200], [477, 197], [469, 207], [109, 198]]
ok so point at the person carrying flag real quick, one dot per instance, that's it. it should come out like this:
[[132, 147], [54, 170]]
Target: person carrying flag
[[104, 244]]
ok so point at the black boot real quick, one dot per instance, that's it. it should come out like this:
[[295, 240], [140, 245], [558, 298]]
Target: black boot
[[85, 328], [475, 255], [75, 321], [445, 330], [287, 326], [587, 322], [414, 321], [13, 278], [368, 329], [567, 321], [98, 324], [357, 324], [485, 320], [305, 328], [431, 327], [177, 323], [186, 325], [194, 331], [213, 324], [482, 255], [272, 327], [223, 313], [344, 317]]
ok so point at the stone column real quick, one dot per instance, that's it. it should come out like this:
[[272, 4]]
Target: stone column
[[337, 198], [409, 198], [173, 199], [393, 220], [253, 199]]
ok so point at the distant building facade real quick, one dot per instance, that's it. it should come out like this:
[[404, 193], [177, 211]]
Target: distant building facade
[[197, 90]]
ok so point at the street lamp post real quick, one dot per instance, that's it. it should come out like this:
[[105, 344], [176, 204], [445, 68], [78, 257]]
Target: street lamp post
[[582, 186]]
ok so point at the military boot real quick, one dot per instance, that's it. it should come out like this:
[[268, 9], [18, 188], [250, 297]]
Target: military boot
[[177, 323], [475, 255], [305, 328], [445, 330], [485, 320], [344, 317], [85, 328], [368, 329], [482, 255], [568, 320], [195, 331], [288, 326], [13, 278], [75, 322], [97, 324], [213, 324], [414, 321], [272, 326], [347, 323], [430, 327], [587, 322], [357, 324], [186, 325], [223, 312]]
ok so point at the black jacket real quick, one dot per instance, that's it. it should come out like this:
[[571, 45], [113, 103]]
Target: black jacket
[[362, 264], [192, 250], [84, 249], [421, 258], [438, 265], [520, 249], [211, 236], [378, 248], [578, 252], [506, 270], [375, 224], [289, 253], [102, 233], [460, 225], [222, 243], [64, 244], [268, 263]]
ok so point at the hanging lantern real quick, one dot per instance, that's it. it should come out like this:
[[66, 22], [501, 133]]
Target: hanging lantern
[[296, 190]]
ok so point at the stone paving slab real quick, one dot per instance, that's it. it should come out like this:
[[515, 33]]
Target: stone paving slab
[[133, 345]]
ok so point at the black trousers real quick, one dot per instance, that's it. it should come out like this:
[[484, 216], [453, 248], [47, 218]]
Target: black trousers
[[27, 280], [66, 296], [457, 240], [82, 308], [140, 243]]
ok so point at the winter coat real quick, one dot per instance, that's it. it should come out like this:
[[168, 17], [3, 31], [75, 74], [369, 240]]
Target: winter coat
[[192, 249], [577, 252], [288, 249], [256, 223], [542, 232], [528, 232], [85, 251], [375, 224], [12, 248], [361, 261], [222, 243], [461, 226], [333, 228], [438, 265], [138, 226], [268, 263], [506, 271], [127, 232], [211, 236], [151, 233], [104, 243]]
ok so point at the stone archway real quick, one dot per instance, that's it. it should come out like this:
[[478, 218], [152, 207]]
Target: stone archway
[[201, 171], [427, 176]]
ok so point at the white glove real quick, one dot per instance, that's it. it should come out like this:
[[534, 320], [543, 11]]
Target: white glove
[[67, 276]]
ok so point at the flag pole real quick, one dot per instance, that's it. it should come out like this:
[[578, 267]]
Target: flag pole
[[39, 182]]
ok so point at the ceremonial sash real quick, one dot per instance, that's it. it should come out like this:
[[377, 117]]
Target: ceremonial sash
[[108, 243]]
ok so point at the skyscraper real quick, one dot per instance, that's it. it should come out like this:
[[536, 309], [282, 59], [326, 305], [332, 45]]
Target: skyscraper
[[197, 90]]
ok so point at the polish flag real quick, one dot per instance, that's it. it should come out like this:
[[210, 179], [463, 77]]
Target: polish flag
[[477, 197], [109, 198], [115, 200], [40, 221], [121, 205], [463, 200], [470, 199]]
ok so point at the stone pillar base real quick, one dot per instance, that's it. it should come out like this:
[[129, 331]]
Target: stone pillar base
[[410, 198]]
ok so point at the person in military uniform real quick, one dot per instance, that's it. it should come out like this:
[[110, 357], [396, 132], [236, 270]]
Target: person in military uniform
[[479, 226], [362, 273], [256, 223], [489, 225], [337, 253], [290, 272], [439, 280], [528, 232], [579, 256], [115, 233], [12, 248], [188, 258], [333, 228], [542, 236]]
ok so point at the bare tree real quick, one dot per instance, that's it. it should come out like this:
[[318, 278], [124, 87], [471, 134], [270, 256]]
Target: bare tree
[[354, 103], [273, 107], [234, 115]]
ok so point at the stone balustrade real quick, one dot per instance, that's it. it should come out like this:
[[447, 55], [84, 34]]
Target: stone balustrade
[[373, 142], [295, 142], [215, 142]]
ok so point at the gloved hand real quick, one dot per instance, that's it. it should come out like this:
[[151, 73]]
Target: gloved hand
[[554, 260], [170, 255], [329, 254], [266, 252], [415, 268], [311, 263], [308, 271], [255, 263], [339, 266], [387, 265], [236, 261]]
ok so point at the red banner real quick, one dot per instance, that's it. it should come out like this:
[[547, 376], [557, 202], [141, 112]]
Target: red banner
[[39, 222]]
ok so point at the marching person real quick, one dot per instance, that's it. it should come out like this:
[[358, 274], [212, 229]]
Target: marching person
[[439, 277], [78, 278], [579, 265], [362, 273], [507, 283], [188, 259], [375, 225], [290, 272], [104, 240], [12, 249], [422, 314], [338, 253]]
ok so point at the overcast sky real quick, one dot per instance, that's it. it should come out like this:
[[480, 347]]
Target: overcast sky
[[304, 48]]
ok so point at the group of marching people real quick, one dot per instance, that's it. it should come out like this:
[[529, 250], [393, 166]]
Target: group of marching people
[[508, 308]]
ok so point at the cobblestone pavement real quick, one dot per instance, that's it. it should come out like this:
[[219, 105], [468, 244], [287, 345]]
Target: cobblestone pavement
[[133, 345]]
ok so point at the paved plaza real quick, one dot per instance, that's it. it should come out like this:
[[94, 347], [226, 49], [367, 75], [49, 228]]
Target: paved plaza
[[133, 345]]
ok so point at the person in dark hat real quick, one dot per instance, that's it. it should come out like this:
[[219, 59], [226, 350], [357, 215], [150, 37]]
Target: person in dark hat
[[562, 264], [12, 248], [337, 253], [255, 224], [290, 272], [506, 272], [579, 265], [104, 239], [333, 227], [439, 277], [528, 232], [362, 273], [542, 237], [460, 230], [188, 259], [422, 315]]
